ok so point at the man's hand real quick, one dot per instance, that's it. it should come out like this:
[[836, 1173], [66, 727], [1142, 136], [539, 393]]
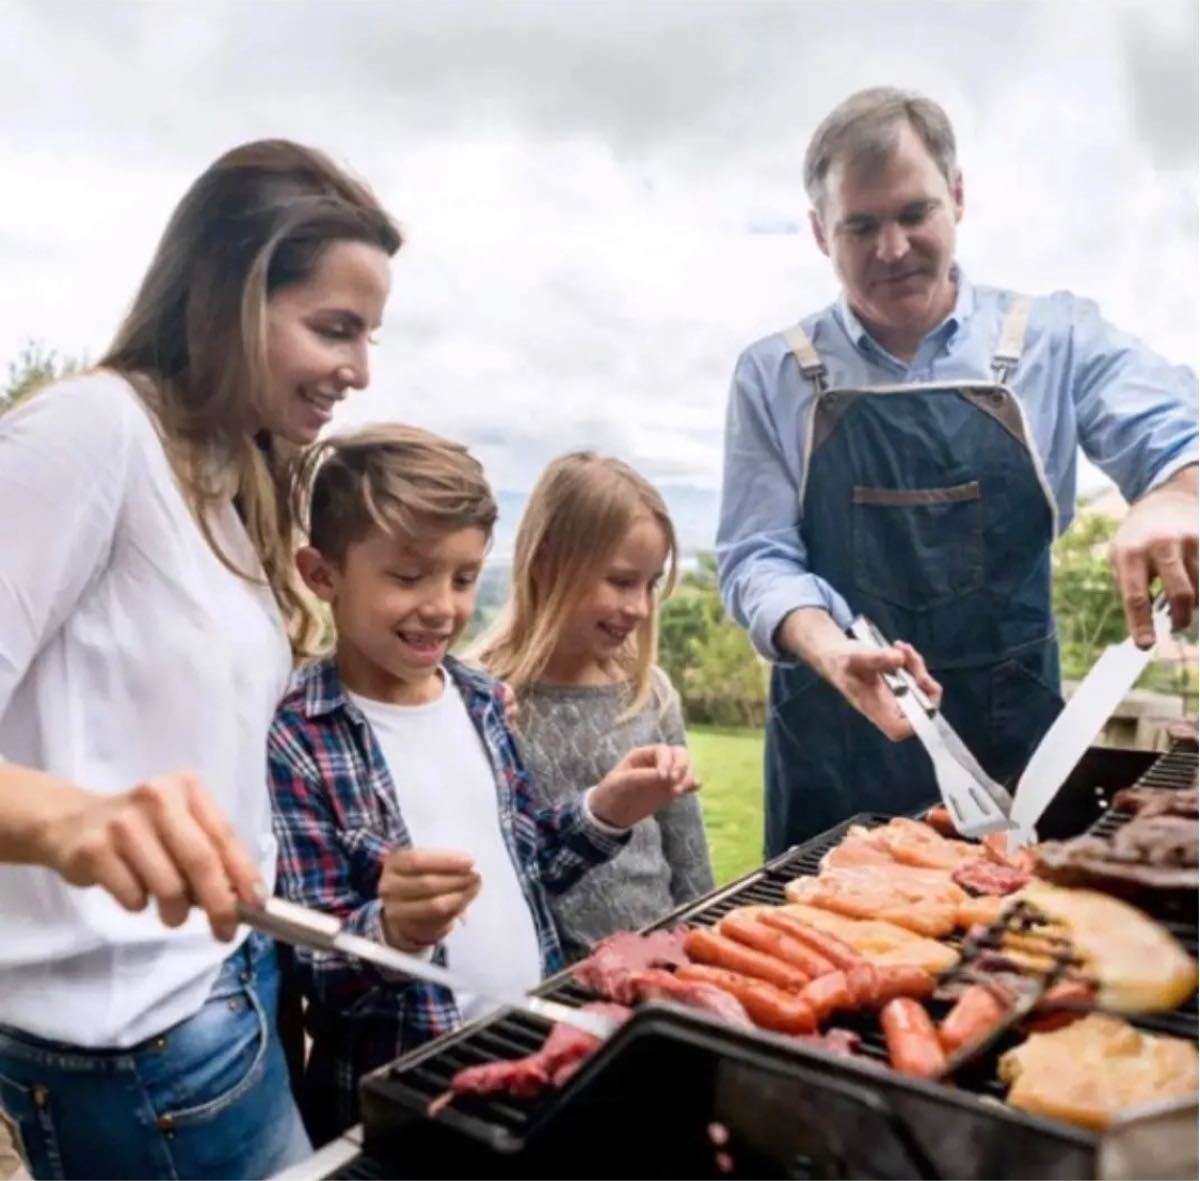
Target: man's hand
[[643, 782], [164, 839], [1157, 538], [855, 670], [423, 892]]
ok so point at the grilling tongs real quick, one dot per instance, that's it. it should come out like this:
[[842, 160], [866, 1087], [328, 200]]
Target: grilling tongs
[[977, 804], [302, 927]]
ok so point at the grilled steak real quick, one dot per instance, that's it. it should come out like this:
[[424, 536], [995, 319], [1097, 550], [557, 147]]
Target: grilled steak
[[1156, 801]]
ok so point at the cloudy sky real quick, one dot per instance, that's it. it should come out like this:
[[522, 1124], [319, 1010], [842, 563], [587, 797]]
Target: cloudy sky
[[602, 198]]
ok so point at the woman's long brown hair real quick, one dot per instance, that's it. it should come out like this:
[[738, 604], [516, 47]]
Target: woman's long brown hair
[[194, 343]]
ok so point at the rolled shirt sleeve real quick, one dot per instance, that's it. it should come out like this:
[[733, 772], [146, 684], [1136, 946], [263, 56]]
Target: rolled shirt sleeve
[[1136, 412], [761, 558]]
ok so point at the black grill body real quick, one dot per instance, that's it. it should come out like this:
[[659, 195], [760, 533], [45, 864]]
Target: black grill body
[[641, 1105]]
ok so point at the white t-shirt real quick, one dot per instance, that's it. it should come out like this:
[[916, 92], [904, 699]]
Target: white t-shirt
[[127, 650], [446, 790]]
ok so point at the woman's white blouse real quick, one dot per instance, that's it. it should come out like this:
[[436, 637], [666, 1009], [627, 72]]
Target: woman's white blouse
[[127, 650]]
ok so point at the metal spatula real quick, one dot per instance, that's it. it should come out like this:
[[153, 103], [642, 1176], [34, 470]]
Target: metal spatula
[[977, 804], [1091, 705], [302, 927]]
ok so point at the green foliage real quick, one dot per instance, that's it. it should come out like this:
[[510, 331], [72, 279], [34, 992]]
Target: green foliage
[[36, 366], [1086, 603], [1088, 609], [730, 763], [708, 657]]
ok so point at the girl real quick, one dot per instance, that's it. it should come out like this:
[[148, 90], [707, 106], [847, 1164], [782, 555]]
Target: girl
[[147, 596], [577, 642]]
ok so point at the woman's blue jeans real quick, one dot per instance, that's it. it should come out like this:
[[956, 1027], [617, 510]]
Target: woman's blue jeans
[[209, 1097]]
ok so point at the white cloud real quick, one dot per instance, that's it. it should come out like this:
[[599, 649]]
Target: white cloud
[[603, 201]]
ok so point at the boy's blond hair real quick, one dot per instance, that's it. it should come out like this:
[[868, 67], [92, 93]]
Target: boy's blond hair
[[578, 514], [412, 484]]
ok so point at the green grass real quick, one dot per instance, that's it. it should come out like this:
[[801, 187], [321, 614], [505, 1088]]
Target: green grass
[[729, 763]]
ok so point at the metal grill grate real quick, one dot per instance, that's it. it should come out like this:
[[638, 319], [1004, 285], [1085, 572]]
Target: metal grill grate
[[504, 1124]]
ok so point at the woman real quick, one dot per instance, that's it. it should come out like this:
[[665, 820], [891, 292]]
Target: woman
[[147, 598]]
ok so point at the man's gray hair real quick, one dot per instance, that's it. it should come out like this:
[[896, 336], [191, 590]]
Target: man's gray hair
[[864, 128]]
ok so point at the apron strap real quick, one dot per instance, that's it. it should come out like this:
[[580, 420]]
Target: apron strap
[[811, 366], [1012, 338]]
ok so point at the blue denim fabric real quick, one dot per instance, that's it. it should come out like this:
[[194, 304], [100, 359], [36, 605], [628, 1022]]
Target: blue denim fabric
[[207, 1098], [927, 512]]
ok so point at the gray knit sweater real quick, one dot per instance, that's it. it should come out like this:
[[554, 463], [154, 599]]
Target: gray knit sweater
[[570, 739]]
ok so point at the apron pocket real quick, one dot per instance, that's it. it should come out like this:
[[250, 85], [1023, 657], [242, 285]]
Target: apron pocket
[[918, 548]]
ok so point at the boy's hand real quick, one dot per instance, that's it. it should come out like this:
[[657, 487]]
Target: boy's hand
[[423, 892], [643, 782]]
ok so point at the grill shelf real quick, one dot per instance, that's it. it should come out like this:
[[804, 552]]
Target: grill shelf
[[498, 1134]]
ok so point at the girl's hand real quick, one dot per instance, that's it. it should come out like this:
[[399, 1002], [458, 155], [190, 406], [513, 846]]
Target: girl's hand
[[424, 891], [165, 840], [645, 781]]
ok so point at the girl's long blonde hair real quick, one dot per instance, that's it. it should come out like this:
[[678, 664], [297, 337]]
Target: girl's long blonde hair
[[578, 514], [194, 343]]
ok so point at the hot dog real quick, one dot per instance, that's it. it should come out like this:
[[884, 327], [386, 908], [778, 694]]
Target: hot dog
[[707, 947], [769, 1007], [830, 947], [827, 994], [974, 1013], [902, 980], [912, 1040], [774, 941], [863, 979]]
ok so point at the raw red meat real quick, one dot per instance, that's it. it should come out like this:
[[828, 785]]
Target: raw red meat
[[607, 971], [560, 1056], [654, 984], [990, 877]]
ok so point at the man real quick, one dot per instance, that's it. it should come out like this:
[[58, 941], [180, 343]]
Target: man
[[909, 454]]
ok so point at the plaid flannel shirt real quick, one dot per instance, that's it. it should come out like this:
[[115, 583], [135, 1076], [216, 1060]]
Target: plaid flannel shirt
[[336, 817]]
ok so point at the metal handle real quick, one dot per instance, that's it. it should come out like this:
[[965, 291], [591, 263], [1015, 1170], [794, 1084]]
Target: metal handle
[[292, 923], [900, 681]]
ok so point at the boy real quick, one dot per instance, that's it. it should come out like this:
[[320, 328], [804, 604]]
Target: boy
[[399, 798]]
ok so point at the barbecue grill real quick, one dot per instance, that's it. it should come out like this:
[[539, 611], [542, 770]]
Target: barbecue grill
[[641, 1106]]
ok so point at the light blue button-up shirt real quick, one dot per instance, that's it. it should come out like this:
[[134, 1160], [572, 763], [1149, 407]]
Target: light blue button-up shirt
[[1080, 381]]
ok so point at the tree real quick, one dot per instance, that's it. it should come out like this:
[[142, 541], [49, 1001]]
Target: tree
[[1086, 603], [36, 366], [720, 678], [1088, 609]]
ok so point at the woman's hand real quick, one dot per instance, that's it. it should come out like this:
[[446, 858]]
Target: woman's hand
[[643, 782], [164, 840]]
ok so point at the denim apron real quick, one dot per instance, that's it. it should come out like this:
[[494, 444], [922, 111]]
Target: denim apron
[[927, 508]]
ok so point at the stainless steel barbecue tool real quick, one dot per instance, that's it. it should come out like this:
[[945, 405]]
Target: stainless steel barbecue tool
[[1091, 705], [302, 927], [977, 804]]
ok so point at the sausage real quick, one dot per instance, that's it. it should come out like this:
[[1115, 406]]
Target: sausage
[[978, 1010], [863, 979], [902, 980], [768, 1007], [828, 993], [769, 939], [938, 818], [912, 1041], [839, 953], [707, 947], [1061, 1005]]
